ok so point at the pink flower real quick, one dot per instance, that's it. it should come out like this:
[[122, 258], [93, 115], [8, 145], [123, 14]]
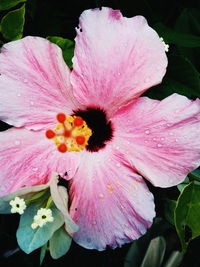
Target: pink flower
[[116, 60]]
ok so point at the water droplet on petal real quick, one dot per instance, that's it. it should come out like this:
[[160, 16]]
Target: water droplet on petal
[[154, 139], [118, 164], [171, 133], [25, 80], [162, 138], [18, 94], [32, 103], [159, 145], [101, 195], [147, 132], [119, 73], [17, 142], [94, 222], [35, 169]]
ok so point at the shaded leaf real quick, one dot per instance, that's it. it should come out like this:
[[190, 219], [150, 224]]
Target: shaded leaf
[[60, 243], [67, 47], [12, 24], [187, 214], [177, 38], [181, 78], [174, 259], [7, 4], [155, 253], [137, 250], [169, 205], [43, 252], [29, 239]]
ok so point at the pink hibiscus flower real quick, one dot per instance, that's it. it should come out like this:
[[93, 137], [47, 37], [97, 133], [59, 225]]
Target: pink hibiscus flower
[[116, 60]]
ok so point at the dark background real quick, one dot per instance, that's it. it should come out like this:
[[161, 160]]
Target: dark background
[[59, 18]]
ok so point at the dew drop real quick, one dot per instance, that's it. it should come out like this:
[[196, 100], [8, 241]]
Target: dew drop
[[94, 222], [117, 147], [154, 139], [17, 142], [168, 124], [25, 80], [32, 103], [18, 94], [147, 132], [118, 164], [35, 169], [159, 145], [119, 73], [171, 133], [101, 195], [146, 141], [162, 138]]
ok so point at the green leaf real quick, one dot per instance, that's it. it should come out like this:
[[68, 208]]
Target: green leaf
[[29, 239], [169, 205], [155, 253], [173, 37], [43, 252], [181, 78], [7, 4], [137, 250], [187, 214], [60, 243], [174, 259], [183, 184], [67, 47], [12, 24]]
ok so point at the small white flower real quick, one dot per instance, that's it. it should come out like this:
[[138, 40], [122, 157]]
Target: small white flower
[[42, 217], [18, 205], [165, 45]]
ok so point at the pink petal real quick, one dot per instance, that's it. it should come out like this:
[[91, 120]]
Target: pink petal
[[160, 138], [110, 203], [116, 58], [27, 158], [34, 83]]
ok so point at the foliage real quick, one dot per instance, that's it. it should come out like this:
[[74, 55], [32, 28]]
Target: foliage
[[178, 206]]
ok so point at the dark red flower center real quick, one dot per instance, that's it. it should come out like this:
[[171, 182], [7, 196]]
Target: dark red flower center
[[102, 130]]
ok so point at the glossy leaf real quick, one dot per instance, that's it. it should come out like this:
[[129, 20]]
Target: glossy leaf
[[60, 243], [29, 239], [173, 37], [187, 214], [67, 47], [12, 24], [7, 4]]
